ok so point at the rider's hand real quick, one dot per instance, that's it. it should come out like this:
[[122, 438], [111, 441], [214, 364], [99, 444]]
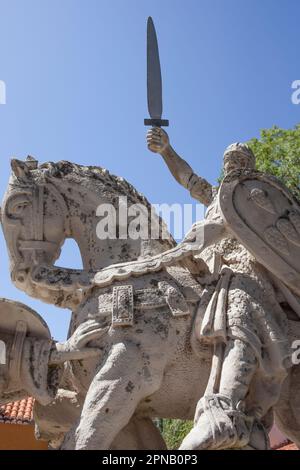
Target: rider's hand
[[157, 140], [88, 331], [77, 347]]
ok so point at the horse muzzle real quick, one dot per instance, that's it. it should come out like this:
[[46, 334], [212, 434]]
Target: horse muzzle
[[33, 253], [38, 247]]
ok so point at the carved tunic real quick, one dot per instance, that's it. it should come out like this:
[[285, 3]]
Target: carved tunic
[[250, 307]]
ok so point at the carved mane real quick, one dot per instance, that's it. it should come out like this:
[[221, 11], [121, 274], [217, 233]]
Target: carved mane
[[94, 178]]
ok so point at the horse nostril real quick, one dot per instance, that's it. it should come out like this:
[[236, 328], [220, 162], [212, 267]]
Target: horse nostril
[[19, 276]]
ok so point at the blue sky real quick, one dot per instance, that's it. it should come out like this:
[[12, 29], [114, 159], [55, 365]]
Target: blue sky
[[75, 73]]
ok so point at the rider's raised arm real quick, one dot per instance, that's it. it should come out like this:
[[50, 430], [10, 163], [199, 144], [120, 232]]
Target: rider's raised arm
[[200, 189]]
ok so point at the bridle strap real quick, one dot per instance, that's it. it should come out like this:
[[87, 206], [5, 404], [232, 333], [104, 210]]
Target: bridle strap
[[38, 213], [63, 207]]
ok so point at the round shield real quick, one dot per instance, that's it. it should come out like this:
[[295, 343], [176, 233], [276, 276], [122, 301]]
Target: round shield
[[265, 218], [11, 312]]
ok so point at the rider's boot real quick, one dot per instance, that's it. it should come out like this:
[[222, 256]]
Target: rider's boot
[[221, 421]]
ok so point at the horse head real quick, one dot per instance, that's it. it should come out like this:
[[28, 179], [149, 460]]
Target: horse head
[[45, 204], [34, 219]]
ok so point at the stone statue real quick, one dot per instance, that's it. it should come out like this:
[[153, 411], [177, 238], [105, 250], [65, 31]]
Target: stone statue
[[202, 330]]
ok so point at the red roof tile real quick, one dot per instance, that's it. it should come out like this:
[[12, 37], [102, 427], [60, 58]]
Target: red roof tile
[[18, 411], [287, 446]]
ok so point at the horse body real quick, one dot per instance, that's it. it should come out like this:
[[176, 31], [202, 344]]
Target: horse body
[[151, 369]]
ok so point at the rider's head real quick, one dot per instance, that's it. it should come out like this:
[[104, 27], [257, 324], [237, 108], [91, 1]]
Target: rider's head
[[238, 156]]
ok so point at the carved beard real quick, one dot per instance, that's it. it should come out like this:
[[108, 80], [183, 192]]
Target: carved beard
[[237, 162]]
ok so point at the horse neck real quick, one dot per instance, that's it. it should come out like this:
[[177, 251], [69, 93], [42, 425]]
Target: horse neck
[[96, 252]]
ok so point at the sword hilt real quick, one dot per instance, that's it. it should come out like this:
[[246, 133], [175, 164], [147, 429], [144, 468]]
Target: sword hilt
[[156, 122]]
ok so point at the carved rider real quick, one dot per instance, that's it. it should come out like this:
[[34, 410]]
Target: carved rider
[[240, 317]]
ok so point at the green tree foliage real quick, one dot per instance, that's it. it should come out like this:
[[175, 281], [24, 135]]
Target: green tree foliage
[[278, 153], [174, 431]]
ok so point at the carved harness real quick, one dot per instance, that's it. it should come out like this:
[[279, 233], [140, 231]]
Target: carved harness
[[35, 242]]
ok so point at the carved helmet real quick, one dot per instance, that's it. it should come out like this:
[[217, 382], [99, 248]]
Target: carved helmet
[[242, 150]]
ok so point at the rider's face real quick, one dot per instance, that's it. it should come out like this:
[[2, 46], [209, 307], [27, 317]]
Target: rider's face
[[236, 161]]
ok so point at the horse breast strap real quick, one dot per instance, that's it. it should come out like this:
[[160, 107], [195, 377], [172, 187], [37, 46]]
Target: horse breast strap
[[124, 299]]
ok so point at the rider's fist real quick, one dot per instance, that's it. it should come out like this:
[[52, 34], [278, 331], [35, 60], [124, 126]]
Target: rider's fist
[[157, 140]]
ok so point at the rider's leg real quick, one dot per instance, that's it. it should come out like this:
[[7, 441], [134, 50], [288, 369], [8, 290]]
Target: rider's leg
[[214, 426], [239, 366]]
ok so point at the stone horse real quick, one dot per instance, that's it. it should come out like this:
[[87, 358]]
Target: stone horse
[[150, 363]]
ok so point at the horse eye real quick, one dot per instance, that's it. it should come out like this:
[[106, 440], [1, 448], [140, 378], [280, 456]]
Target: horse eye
[[20, 207], [17, 209]]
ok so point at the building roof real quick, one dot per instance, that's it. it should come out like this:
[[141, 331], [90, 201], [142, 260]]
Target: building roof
[[287, 445], [20, 412]]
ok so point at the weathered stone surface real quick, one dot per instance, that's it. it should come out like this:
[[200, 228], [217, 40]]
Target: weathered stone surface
[[31, 362], [200, 330]]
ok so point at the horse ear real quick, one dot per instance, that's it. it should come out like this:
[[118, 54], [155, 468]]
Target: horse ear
[[19, 168], [31, 163]]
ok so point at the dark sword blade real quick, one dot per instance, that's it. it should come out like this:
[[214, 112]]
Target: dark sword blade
[[154, 80]]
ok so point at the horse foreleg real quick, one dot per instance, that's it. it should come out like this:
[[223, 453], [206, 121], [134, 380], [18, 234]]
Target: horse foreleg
[[112, 398], [139, 434]]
